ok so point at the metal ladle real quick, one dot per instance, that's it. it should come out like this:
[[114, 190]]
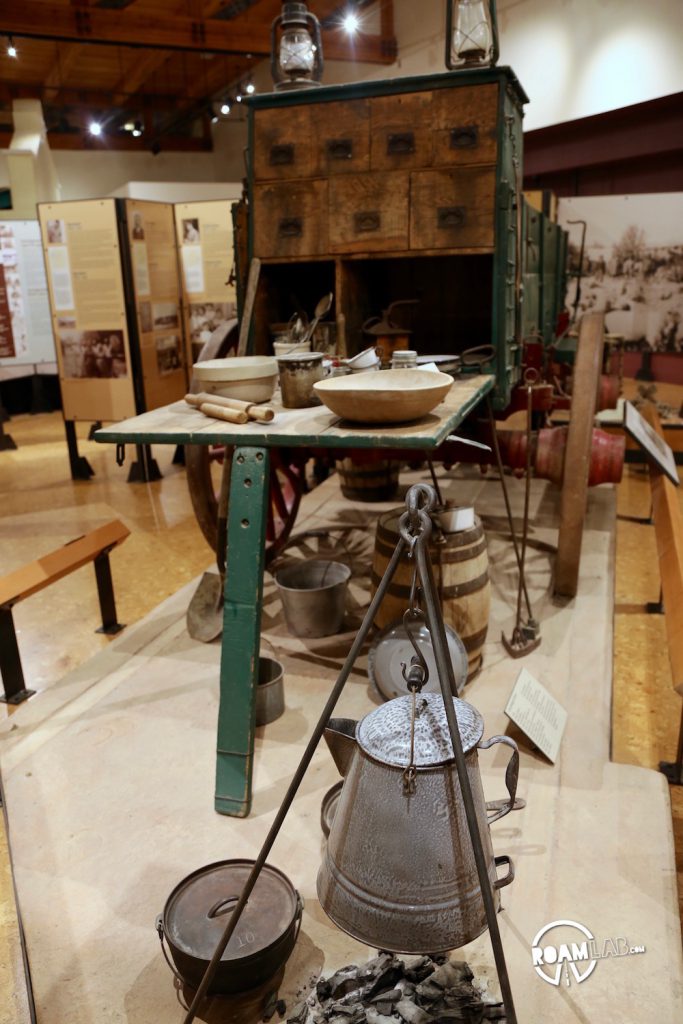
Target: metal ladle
[[321, 309]]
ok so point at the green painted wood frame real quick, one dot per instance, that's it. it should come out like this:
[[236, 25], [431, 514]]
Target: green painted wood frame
[[241, 630]]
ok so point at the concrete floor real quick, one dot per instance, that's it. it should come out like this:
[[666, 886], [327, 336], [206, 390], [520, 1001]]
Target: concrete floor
[[42, 508]]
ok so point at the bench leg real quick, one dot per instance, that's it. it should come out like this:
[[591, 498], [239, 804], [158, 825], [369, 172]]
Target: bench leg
[[10, 662], [241, 630], [105, 592]]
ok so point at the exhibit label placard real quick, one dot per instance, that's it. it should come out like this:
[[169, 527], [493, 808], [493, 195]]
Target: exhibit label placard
[[157, 290], [25, 322], [654, 446], [85, 283], [537, 713], [205, 242]]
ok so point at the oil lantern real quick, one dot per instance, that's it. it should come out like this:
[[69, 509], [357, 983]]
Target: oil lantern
[[471, 34], [296, 59]]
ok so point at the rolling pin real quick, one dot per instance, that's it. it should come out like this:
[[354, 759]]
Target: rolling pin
[[262, 413], [219, 412]]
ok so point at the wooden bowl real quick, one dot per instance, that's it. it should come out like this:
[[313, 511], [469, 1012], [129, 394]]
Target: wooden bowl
[[390, 396]]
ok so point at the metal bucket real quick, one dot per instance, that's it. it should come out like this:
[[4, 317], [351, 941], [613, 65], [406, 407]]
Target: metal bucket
[[270, 691], [193, 921], [313, 596]]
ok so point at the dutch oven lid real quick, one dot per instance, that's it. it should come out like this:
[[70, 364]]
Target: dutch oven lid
[[197, 910], [385, 733]]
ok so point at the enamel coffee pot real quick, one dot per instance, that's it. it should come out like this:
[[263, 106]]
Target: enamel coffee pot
[[398, 871]]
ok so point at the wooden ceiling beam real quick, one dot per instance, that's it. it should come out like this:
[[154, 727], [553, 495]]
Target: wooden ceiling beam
[[43, 20], [131, 81], [65, 59], [87, 99]]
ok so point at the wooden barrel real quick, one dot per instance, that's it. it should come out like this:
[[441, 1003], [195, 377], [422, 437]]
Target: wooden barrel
[[461, 570], [369, 481]]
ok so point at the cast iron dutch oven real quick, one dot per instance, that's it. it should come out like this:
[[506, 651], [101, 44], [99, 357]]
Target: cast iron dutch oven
[[194, 920]]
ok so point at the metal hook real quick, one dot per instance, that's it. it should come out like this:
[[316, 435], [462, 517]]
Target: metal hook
[[417, 675]]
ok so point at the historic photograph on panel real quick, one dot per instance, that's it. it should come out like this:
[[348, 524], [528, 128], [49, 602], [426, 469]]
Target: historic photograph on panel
[[205, 317], [93, 354], [138, 231], [145, 314], [190, 231], [169, 355], [56, 232], [165, 315], [632, 267]]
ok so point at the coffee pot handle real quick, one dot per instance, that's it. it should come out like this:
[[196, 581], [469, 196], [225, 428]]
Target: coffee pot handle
[[511, 774]]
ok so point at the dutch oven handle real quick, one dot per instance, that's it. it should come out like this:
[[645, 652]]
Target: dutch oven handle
[[299, 914], [162, 936], [511, 775]]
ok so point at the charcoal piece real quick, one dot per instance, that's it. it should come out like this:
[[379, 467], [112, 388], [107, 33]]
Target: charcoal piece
[[388, 979], [495, 1012], [388, 997], [452, 974], [428, 992], [299, 1014], [420, 970], [372, 1016], [343, 981], [281, 1007], [270, 1007], [413, 1014]]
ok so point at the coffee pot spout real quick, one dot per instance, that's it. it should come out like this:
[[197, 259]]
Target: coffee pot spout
[[340, 736]]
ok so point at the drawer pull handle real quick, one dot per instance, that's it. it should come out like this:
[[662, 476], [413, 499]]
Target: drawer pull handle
[[340, 149], [365, 222], [282, 155], [450, 216], [290, 227], [401, 144], [465, 136]]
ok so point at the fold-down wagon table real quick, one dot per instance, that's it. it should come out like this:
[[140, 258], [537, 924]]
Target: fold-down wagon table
[[316, 427]]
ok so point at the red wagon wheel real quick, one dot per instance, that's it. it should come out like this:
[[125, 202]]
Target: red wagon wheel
[[287, 484]]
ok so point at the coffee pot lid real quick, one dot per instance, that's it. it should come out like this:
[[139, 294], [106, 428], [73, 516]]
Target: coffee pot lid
[[384, 734]]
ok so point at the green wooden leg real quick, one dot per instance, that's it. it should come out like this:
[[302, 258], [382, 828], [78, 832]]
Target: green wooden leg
[[241, 630]]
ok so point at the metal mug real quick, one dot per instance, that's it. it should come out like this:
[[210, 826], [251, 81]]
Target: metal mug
[[299, 371], [398, 871]]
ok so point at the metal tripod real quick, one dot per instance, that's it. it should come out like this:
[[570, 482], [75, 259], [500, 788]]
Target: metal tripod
[[415, 528]]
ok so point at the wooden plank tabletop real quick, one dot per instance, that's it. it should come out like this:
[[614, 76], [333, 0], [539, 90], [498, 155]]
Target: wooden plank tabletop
[[316, 427]]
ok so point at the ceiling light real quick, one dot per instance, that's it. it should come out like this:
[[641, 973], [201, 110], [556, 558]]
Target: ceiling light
[[95, 128], [136, 133], [351, 22], [128, 126], [11, 48], [238, 97], [251, 88], [225, 108]]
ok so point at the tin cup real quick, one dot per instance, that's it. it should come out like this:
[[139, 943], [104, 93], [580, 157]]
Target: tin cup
[[299, 371]]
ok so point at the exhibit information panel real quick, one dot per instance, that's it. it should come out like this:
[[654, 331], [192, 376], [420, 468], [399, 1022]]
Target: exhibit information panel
[[156, 287], [25, 322], [85, 283], [205, 242]]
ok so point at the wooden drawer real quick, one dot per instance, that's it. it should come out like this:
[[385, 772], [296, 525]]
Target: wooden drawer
[[401, 131], [369, 212], [341, 132], [290, 219], [452, 209], [283, 145], [465, 123]]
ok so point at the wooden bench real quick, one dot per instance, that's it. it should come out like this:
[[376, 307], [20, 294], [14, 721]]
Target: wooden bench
[[93, 547], [666, 514]]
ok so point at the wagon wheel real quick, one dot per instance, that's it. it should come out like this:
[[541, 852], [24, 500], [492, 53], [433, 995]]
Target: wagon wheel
[[286, 485], [586, 380]]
